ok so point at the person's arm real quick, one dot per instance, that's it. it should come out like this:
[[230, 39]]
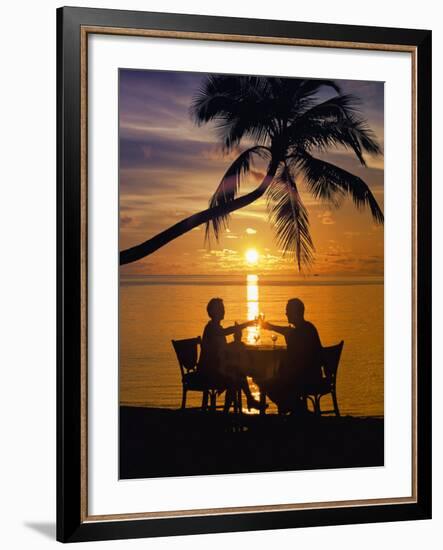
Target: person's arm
[[275, 328], [233, 328]]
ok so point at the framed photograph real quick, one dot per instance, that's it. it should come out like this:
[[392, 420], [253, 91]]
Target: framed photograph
[[244, 274]]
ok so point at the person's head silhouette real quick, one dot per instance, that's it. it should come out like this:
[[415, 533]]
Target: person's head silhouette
[[295, 311], [216, 309]]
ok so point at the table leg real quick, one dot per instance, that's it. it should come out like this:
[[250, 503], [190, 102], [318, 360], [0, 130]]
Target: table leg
[[262, 402]]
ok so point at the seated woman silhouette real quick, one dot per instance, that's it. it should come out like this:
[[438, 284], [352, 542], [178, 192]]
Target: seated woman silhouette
[[212, 356], [301, 367]]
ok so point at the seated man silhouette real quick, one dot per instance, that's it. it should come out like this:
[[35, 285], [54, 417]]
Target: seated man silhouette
[[213, 352], [301, 367]]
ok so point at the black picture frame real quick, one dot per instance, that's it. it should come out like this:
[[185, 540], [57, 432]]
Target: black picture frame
[[72, 523]]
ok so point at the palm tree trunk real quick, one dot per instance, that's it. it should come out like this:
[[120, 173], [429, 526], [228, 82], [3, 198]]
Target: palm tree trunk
[[151, 245]]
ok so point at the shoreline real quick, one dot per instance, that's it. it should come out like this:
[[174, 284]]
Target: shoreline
[[269, 412]]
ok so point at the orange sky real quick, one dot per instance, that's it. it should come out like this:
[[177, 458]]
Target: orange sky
[[169, 169]]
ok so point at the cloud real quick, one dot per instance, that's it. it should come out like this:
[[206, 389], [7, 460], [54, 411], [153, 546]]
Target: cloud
[[225, 252], [125, 221], [249, 212], [326, 218]]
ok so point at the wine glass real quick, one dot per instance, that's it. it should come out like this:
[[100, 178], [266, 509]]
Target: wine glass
[[256, 337], [274, 339]]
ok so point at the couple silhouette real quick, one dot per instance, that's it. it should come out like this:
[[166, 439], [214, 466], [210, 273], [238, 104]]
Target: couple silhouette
[[300, 368]]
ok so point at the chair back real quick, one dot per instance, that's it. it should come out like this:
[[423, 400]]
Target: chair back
[[187, 353], [330, 360]]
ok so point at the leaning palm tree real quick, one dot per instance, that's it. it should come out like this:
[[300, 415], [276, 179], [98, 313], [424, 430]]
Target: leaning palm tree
[[283, 122]]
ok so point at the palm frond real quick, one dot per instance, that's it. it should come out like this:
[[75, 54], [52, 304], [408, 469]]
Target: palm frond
[[231, 130], [311, 87], [327, 181], [336, 107], [205, 108], [215, 97], [239, 106], [229, 186], [332, 123], [289, 218]]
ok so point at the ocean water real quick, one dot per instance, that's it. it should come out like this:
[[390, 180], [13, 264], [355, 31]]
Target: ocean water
[[156, 309]]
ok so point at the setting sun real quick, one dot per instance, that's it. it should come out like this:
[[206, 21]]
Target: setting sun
[[251, 256]]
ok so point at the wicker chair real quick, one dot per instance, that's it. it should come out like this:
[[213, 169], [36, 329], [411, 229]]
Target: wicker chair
[[187, 356], [330, 361]]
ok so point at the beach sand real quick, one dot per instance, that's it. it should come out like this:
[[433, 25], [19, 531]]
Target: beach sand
[[158, 442]]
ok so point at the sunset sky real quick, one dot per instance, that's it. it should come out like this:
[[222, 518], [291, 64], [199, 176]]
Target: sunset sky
[[169, 169]]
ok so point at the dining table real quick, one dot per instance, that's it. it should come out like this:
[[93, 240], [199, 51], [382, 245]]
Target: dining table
[[260, 362]]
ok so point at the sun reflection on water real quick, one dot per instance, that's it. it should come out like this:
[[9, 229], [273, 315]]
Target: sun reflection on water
[[252, 333]]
